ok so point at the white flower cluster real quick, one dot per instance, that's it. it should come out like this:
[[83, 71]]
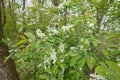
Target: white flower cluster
[[46, 62], [48, 59], [67, 28], [40, 34], [52, 30], [48, 4], [73, 48], [12, 50], [53, 56], [91, 24], [65, 2], [96, 77], [61, 47], [81, 47]]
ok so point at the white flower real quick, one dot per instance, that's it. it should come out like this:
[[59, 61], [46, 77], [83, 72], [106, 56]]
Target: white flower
[[93, 75], [82, 39], [87, 41], [119, 65], [39, 65], [61, 47], [91, 24], [66, 28], [48, 4], [65, 2], [62, 60], [80, 69], [73, 48], [61, 5], [53, 56], [91, 79], [81, 47], [39, 33], [46, 60], [96, 77], [89, 31], [18, 22], [12, 50], [8, 39], [53, 30]]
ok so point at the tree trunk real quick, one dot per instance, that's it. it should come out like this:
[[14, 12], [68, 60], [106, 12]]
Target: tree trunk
[[7, 69], [23, 8], [55, 2], [39, 1]]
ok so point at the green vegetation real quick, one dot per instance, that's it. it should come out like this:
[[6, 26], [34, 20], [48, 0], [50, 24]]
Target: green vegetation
[[75, 40]]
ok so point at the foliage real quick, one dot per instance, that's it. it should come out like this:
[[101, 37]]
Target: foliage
[[72, 41], [111, 70]]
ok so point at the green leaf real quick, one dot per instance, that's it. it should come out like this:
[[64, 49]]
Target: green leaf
[[48, 46], [114, 68], [106, 53], [73, 61], [81, 63], [95, 42], [35, 45], [111, 72], [101, 70], [55, 69], [30, 35], [74, 74], [42, 76], [61, 66], [113, 65], [22, 41], [91, 62]]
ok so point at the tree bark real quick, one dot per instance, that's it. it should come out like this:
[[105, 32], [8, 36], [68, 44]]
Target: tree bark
[[39, 1], [54, 2], [7, 69], [23, 8]]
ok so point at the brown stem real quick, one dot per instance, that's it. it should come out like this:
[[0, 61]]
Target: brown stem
[[65, 16]]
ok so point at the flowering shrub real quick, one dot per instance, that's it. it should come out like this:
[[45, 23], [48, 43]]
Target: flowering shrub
[[67, 42]]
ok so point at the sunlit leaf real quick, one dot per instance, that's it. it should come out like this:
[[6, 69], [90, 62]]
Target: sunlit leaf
[[30, 36], [81, 63]]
